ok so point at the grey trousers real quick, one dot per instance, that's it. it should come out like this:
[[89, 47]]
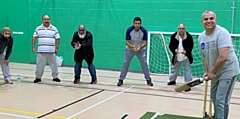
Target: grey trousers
[[175, 70], [221, 91], [141, 55], [5, 68], [41, 62]]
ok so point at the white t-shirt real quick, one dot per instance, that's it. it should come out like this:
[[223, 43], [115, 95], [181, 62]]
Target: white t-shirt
[[180, 47], [180, 57]]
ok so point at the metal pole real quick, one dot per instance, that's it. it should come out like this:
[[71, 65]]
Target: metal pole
[[233, 10]]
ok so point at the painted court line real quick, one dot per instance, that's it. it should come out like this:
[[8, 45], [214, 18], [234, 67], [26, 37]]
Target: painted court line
[[30, 113], [124, 116], [100, 102], [54, 110], [157, 114], [14, 115]]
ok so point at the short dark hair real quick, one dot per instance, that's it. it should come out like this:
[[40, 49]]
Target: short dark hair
[[137, 19]]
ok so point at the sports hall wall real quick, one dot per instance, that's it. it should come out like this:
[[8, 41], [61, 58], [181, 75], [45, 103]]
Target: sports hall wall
[[108, 21]]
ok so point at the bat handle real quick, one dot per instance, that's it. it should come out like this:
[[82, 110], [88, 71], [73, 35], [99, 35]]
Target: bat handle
[[203, 79], [206, 78]]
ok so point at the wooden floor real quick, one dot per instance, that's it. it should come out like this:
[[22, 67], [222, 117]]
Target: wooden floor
[[104, 100]]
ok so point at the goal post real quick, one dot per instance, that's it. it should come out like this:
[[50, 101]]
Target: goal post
[[159, 55]]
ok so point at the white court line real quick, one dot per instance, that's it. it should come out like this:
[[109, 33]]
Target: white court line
[[14, 115], [157, 114], [100, 102]]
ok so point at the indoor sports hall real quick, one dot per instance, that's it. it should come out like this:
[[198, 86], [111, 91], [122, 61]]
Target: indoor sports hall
[[104, 100], [108, 21]]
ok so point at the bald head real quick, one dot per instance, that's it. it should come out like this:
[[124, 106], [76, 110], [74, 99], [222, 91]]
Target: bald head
[[181, 29], [82, 26], [181, 25], [81, 29]]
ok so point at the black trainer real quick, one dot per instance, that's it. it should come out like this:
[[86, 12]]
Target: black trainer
[[120, 83], [37, 80], [171, 83], [149, 82], [188, 90], [76, 81], [57, 80], [93, 81]]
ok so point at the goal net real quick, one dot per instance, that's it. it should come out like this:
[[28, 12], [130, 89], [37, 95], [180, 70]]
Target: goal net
[[159, 55]]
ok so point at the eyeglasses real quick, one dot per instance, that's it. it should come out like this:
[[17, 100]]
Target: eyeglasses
[[211, 18], [181, 28]]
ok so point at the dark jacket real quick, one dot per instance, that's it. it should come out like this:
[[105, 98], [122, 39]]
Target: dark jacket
[[187, 43], [86, 49], [6, 43]]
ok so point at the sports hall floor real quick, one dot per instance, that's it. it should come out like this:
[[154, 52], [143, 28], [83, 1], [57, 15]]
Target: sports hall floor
[[104, 100]]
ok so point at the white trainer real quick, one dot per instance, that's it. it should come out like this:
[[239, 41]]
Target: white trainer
[[8, 81]]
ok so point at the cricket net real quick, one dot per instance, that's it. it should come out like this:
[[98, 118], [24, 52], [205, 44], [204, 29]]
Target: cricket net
[[159, 55]]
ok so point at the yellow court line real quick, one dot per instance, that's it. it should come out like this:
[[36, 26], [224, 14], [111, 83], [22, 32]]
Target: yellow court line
[[32, 113]]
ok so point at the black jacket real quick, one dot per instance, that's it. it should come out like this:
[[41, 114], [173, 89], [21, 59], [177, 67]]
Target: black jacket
[[6, 43], [187, 43], [86, 49]]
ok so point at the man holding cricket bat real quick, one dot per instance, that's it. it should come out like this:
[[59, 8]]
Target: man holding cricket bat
[[220, 63], [136, 40]]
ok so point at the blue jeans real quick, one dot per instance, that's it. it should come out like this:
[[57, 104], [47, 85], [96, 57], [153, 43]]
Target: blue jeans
[[91, 69]]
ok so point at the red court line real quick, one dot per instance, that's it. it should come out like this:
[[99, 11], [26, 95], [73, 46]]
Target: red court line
[[170, 91]]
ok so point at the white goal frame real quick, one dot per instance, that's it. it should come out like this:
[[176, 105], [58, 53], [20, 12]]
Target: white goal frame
[[169, 33]]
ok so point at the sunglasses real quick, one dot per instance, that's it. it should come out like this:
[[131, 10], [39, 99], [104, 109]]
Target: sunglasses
[[211, 18]]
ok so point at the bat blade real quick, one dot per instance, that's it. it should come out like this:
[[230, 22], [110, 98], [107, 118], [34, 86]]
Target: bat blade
[[188, 85]]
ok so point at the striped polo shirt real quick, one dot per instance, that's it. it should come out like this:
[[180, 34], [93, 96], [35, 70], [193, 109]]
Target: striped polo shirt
[[46, 38]]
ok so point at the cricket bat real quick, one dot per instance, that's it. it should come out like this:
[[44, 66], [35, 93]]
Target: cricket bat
[[205, 115], [190, 84]]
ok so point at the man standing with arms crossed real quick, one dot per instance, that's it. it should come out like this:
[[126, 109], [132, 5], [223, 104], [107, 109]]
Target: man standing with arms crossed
[[48, 42], [220, 63]]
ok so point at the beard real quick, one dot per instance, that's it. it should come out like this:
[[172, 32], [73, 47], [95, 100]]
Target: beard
[[82, 36]]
